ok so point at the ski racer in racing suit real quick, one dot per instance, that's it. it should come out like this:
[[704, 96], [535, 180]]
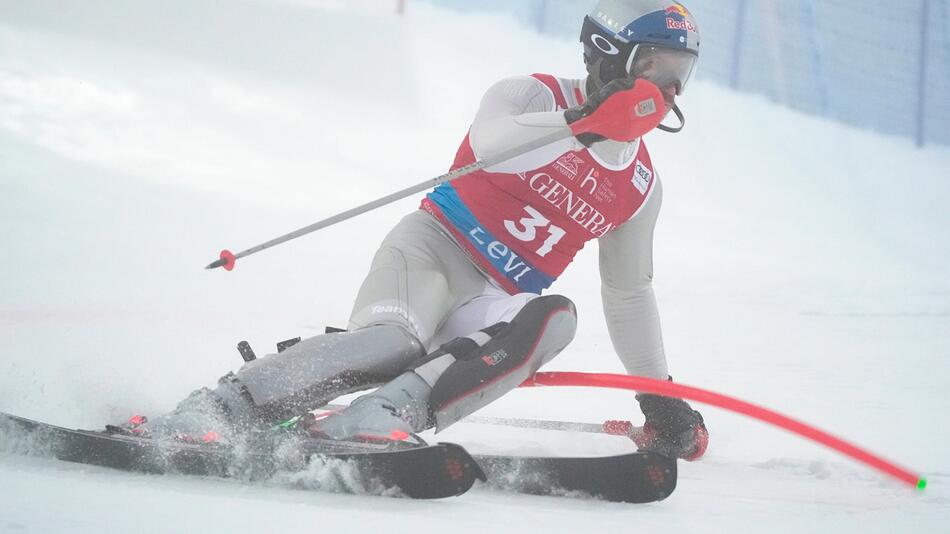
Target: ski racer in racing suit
[[451, 316]]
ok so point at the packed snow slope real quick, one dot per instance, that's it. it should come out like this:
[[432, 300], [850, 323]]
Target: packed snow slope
[[800, 264]]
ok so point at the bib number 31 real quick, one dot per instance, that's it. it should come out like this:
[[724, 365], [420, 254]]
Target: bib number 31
[[527, 230]]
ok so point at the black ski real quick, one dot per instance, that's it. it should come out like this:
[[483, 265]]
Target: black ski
[[424, 472], [637, 477]]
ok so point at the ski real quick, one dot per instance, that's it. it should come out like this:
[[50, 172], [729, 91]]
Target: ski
[[637, 477], [421, 472]]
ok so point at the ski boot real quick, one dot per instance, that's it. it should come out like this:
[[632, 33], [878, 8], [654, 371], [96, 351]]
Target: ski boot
[[388, 417], [203, 417]]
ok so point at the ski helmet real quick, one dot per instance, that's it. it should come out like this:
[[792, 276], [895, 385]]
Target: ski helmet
[[620, 36]]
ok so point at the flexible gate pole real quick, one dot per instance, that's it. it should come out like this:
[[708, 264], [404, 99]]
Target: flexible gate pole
[[670, 389]]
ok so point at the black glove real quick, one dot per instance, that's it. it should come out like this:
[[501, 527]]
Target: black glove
[[672, 428], [594, 101]]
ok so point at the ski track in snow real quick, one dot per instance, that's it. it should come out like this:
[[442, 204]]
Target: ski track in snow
[[800, 264]]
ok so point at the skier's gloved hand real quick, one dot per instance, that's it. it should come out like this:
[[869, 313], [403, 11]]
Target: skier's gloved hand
[[672, 428], [594, 101], [622, 110]]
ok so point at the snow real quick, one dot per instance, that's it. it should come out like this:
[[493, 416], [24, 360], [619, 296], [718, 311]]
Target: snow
[[801, 264]]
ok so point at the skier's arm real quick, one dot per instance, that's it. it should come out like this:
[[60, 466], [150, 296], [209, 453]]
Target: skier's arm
[[513, 112], [626, 272], [519, 110]]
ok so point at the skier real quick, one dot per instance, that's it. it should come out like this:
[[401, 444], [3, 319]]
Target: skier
[[450, 316]]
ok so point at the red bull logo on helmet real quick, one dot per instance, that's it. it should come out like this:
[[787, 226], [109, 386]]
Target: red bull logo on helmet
[[672, 24], [678, 11]]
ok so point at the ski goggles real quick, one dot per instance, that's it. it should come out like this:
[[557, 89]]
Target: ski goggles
[[662, 66]]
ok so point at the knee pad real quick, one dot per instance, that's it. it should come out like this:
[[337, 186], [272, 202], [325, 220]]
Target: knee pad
[[468, 373]]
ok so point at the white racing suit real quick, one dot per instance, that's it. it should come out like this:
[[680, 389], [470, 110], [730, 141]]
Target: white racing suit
[[442, 333], [422, 281], [426, 282]]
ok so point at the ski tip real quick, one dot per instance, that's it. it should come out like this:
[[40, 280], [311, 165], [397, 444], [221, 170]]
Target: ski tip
[[227, 260], [921, 484]]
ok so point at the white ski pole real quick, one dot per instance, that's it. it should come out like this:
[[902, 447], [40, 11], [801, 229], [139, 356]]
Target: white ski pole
[[227, 259]]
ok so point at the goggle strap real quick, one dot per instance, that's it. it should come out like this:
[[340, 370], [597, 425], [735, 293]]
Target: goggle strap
[[680, 116]]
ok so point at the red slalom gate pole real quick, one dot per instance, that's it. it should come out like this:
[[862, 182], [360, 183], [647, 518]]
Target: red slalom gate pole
[[670, 389]]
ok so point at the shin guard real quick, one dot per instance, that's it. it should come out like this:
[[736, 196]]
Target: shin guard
[[471, 372]]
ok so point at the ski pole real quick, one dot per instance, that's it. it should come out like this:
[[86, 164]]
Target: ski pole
[[613, 428], [227, 259]]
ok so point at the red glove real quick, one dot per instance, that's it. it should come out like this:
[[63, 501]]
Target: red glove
[[622, 110]]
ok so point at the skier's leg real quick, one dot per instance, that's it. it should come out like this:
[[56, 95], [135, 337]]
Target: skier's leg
[[304, 376], [461, 376], [502, 361], [493, 306], [417, 277]]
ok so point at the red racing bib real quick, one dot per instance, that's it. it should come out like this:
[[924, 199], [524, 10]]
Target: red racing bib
[[524, 229]]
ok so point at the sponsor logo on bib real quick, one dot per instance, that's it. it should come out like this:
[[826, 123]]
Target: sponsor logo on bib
[[641, 177]]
